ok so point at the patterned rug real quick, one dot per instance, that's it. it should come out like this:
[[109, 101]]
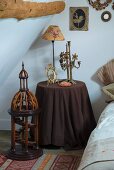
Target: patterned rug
[[45, 162]]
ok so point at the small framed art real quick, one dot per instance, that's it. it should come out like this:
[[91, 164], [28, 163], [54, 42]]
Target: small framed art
[[79, 18]]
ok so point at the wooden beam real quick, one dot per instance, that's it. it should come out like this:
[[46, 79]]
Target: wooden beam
[[22, 9]]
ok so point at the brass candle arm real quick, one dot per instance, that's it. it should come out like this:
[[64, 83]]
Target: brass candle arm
[[68, 63]]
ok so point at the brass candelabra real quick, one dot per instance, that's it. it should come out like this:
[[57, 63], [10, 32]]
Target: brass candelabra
[[68, 63]]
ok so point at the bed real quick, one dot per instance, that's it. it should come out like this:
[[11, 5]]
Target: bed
[[99, 152]]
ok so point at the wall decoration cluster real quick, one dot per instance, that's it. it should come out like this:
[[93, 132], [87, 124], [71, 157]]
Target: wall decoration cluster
[[79, 18], [98, 4]]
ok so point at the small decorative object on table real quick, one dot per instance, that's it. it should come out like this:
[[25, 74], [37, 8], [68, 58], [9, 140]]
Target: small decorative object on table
[[51, 74], [65, 84], [68, 63], [99, 5], [24, 105]]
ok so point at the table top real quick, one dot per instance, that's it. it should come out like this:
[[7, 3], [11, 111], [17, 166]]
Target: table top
[[56, 85]]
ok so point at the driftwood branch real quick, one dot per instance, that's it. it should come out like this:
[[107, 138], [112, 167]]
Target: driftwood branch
[[22, 9]]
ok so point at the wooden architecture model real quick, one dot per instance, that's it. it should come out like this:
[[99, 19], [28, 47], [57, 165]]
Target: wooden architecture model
[[24, 106]]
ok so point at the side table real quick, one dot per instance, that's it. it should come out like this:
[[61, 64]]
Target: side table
[[66, 118]]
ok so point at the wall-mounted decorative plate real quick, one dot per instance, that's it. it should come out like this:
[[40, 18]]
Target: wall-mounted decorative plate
[[106, 16]]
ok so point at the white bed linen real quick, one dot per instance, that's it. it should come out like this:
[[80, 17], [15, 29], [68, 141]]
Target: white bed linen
[[99, 152], [104, 125]]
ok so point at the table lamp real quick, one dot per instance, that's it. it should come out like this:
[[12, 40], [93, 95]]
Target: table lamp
[[53, 33]]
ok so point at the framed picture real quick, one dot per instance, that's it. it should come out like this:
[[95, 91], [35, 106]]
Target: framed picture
[[79, 18]]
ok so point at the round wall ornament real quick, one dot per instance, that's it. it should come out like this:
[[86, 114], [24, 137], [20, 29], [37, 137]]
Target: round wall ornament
[[98, 4], [113, 6], [106, 16]]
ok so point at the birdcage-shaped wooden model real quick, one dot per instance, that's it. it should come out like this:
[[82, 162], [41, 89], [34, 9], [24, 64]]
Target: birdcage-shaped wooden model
[[24, 106]]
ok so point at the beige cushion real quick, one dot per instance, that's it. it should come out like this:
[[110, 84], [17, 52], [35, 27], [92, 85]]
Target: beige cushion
[[106, 73], [109, 90]]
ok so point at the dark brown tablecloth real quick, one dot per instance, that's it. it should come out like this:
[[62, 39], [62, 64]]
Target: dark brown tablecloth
[[66, 117]]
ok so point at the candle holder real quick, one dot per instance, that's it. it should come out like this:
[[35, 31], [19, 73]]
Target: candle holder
[[68, 63]]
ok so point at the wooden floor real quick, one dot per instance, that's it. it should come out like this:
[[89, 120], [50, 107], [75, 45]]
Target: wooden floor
[[5, 140]]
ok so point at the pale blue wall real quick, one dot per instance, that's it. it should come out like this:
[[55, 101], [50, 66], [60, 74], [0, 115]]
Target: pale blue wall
[[16, 38], [94, 48]]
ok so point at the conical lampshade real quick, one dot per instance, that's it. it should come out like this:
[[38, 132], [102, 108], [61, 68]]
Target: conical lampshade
[[53, 33]]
